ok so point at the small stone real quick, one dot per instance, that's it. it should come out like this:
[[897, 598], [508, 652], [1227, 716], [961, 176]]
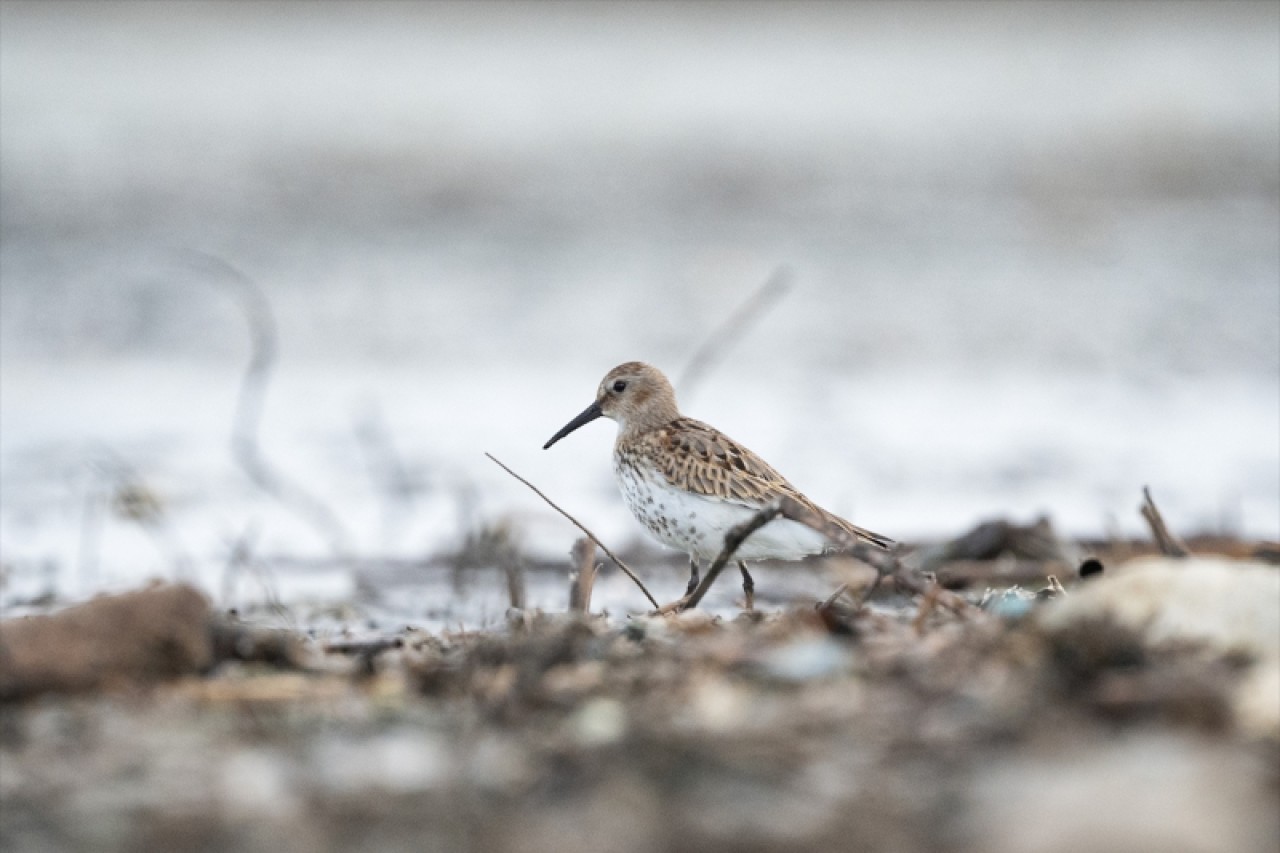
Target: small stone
[[806, 660], [600, 722]]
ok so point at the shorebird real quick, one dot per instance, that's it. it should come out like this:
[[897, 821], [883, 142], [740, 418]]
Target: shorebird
[[689, 483]]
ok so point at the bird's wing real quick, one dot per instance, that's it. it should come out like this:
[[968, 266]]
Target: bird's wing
[[699, 458]]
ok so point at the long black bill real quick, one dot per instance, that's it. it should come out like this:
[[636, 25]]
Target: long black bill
[[589, 414]]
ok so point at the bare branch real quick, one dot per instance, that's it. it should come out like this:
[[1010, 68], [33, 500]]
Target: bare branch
[[713, 347], [732, 541], [253, 388], [886, 563], [1170, 545], [835, 596], [625, 569]]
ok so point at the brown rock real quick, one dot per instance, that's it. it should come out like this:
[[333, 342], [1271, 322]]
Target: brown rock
[[149, 635]]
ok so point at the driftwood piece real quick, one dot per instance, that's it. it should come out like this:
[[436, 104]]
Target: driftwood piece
[[1170, 545]]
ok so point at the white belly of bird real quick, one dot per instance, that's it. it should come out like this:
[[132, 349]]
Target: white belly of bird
[[697, 525]]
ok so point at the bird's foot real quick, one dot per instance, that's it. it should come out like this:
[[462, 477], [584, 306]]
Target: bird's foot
[[748, 586]]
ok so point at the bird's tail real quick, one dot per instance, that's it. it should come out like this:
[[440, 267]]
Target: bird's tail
[[861, 532]]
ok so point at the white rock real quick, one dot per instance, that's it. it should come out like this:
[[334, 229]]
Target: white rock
[[600, 722], [1230, 605]]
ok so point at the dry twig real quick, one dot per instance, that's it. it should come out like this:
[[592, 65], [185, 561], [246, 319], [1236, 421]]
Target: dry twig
[[927, 605], [914, 585], [773, 288], [253, 389], [862, 597], [1170, 545], [840, 590], [583, 575], [625, 568], [368, 646], [732, 541], [515, 579]]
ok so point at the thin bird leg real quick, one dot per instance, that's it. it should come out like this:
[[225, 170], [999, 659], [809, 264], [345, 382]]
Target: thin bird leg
[[748, 586], [693, 577]]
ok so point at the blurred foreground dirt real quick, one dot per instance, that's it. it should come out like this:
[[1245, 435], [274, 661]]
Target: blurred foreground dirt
[[1136, 710]]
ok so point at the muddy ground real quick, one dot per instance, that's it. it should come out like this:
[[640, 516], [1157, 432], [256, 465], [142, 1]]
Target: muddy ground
[[1129, 710]]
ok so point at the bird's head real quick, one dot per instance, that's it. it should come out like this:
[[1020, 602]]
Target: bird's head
[[635, 395]]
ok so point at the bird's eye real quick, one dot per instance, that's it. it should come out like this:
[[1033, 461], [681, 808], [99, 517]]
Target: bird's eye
[[619, 386]]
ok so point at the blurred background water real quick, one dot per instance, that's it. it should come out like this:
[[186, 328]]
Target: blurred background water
[[1034, 254]]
